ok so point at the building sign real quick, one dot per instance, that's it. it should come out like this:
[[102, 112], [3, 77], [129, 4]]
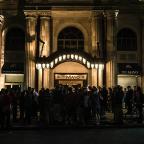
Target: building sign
[[70, 76], [14, 78], [129, 68]]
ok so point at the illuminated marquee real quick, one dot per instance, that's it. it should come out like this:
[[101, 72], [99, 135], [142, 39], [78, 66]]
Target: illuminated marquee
[[69, 57]]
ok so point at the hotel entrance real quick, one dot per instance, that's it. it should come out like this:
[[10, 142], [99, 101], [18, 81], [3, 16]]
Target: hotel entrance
[[71, 79]]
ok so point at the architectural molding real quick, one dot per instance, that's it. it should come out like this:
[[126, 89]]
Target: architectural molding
[[36, 13], [1, 19]]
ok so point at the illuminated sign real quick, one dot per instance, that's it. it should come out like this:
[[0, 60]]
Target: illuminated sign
[[130, 72], [70, 76], [129, 68]]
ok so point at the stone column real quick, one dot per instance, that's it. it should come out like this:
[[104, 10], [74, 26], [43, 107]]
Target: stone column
[[30, 51], [98, 19], [1, 48], [142, 52], [45, 37], [94, 77], [97, 33], [100, 77], [1, 51], [111, 46]]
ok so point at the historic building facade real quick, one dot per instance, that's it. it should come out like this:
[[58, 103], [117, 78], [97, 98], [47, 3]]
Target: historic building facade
[[45, 43]]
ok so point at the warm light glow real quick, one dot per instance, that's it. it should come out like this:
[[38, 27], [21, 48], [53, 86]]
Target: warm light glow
[[96, 66], [76, 57], [80, 58], [60, 58], [68, 56], [43, 65], [101, 66], [92, 66], [88, 64], [72, 56], [51, 64], [47, 65], [84, 60], [64, 57], [38, 66], [56, 60]]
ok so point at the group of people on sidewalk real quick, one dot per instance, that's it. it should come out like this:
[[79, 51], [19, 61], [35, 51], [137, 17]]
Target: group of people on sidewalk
[[68, 105]]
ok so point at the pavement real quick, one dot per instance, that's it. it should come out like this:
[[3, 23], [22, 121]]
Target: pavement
[[74, 136], [129, 121]]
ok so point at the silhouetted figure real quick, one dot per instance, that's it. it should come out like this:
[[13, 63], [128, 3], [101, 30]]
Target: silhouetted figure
[[138, 99], [128, 99], [117, 102]]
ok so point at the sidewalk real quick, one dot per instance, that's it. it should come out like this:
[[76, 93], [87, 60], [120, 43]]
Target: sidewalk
[[107, 122]]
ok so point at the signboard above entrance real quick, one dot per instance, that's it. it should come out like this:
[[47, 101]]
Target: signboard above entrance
[[70, 76], [129, 68]]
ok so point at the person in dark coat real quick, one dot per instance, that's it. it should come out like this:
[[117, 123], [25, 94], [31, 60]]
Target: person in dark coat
[[138, 99], [117, 100], [128, 99]]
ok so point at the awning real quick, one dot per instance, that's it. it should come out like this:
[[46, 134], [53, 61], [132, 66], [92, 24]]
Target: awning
[[129, 68], [13, 68], [69, 55]]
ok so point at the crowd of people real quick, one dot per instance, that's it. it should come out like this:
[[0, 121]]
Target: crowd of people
[[68, 105]]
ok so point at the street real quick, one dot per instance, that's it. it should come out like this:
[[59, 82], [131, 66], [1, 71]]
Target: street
[[74, 136]]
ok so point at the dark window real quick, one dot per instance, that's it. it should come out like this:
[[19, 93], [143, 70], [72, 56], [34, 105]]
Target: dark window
[[126, 40], [15, 40], [71, 38]]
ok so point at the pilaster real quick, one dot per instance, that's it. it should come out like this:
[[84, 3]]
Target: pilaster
[[97, 33], [1, 51], [142, 51], [30, 50], [111, 43], [45, 49]]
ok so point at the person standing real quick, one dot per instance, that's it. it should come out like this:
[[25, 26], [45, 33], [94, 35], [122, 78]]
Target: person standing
[[138, 99]]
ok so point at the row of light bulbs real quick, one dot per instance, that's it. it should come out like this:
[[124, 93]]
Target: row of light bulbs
[[67, 57]]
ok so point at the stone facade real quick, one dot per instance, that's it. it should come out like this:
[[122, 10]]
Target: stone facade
[[99, 22]]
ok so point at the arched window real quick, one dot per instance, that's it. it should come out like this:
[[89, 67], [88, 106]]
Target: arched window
[[71, 38], [15, 40], [126, 40]]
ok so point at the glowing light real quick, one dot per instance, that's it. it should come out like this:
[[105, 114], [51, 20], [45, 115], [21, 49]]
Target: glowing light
[[43, 65], [60, 58], [68, 56], [84, 60], [64, 57], [56, 60], [80, 58], [101, 66], [72, 56], [96, 66], [51, 64], [47, 65], [88, 64], [92, 66], [38, 66], [76, 57]]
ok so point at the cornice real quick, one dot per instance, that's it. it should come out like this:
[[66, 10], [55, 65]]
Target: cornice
[[36, 13]]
